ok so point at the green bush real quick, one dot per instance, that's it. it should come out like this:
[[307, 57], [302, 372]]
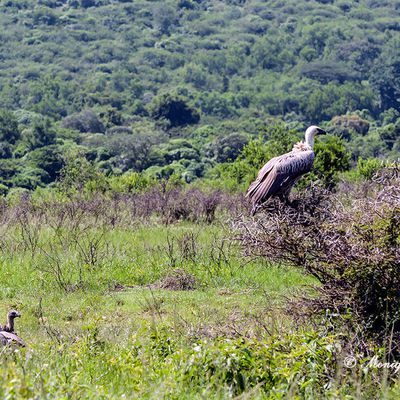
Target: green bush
[[130, 182]]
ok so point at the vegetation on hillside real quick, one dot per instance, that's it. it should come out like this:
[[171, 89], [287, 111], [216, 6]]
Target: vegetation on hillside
[[178, 87]]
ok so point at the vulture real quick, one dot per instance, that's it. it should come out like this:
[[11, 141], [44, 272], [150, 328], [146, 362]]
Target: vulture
[[9, 326], [7, 333], [278, 175]]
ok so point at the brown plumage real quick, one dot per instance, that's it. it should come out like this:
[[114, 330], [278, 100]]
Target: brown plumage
[[278, 175]]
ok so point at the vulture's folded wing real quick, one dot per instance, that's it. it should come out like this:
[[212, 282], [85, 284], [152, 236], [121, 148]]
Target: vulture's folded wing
[[11, 338], [278, 173], [258, 186]]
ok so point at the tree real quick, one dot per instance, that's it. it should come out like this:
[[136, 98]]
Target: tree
[[5, 150], [130, 152], [9, 131], [175, 109], [228, 148], [325, 72], [85, 121], [390, 134], [78, 173], [385, 75], [49, 159], [164, 17], [40, 134]]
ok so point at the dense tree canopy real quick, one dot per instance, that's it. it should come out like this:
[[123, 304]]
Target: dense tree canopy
[[121, 81]]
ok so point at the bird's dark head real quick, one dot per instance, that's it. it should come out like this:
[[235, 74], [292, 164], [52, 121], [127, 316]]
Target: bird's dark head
[[13, 314]]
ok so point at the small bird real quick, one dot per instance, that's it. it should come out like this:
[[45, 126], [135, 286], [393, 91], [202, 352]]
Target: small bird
[[9, 327], [278, 175], [7, 334]]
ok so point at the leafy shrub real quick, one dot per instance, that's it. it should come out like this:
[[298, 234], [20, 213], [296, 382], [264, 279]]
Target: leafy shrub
[[390, 134], [5, 150], [331, 158], [325, 72], [3, 189], [41, 133], [369, 167], [79, 175], [130, 182]]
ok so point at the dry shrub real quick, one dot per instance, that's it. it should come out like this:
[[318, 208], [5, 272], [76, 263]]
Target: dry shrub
[[174, 204], [178, 280], [350, 242], [160, 203]]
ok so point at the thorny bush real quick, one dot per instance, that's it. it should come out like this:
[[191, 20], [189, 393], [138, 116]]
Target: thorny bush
[[350, 242]]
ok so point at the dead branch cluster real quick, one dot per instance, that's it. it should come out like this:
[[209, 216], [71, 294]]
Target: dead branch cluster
[[348, 240]]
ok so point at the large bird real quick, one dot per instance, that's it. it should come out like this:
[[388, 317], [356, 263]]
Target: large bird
[[7, 334], [278, 175], [9, 326]]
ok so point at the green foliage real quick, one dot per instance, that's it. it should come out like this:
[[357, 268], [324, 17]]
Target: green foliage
[[85, 121], [40, 134], [130, 182], [141, 73], [331, 158], [345, 125], [174, 109], [390, 134], [9, 169], [385, 76], [368, 168], [274, 140], [79, 175], [3, 189], [48, 158], [228, 148], [9, 130]]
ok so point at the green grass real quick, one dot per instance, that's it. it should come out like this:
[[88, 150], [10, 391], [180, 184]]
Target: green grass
[[111, 332]]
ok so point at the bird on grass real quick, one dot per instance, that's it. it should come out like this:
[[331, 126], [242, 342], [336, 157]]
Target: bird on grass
[[9, 326], [7, 334], [278, 175]]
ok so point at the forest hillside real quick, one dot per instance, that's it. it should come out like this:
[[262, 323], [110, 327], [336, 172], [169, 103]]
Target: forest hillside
[[179, 87]]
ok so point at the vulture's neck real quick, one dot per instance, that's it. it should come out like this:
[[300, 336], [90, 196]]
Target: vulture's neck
[[307, 145], [310, 139], [10, 325]]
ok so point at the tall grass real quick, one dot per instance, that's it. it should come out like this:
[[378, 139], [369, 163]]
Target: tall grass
[[89, 277]]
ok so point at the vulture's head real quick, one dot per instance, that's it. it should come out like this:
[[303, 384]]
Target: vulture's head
[[13, 314], [311, 132]]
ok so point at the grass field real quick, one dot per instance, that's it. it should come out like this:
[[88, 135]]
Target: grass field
[[145, 310]]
